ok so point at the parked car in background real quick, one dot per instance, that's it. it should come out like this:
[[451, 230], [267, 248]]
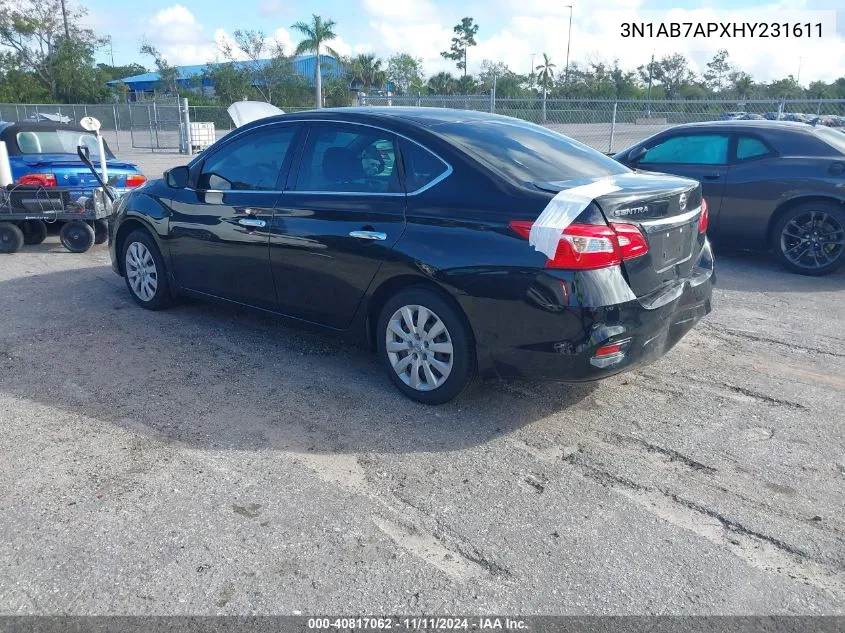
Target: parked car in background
[[768, 184], [44, 154], [412, 228]]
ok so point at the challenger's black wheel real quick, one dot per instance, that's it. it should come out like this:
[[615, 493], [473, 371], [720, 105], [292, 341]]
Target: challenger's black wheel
[[810, 238], [77, 236], [34, 232], [11, 238], [425, 345], [101, 231]]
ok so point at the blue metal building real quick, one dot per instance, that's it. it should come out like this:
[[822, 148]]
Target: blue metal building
[[193, 77]]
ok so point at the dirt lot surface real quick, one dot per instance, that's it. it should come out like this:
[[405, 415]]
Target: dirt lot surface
[[209, 460]]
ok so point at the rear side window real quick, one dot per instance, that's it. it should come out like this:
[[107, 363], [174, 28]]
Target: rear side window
[[421, 166], [348, 159], [692, 149], [834, 138], [749, 147], [528, 153], [250, 163]]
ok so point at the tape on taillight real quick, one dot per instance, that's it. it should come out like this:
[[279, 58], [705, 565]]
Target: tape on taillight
[[704, 218], [548, 228]]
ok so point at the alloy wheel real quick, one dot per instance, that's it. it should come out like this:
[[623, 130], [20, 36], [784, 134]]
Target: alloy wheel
[[141, 271], [419, 347], [812, 240]]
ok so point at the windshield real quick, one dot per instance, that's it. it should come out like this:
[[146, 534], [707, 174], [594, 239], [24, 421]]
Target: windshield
[[59, 142], [525, 152], [834, 138]]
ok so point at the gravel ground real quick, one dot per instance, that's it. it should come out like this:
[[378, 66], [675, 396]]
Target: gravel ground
[[205, 460]]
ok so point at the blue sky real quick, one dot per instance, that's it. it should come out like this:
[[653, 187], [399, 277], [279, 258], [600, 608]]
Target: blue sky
[[190, 31]]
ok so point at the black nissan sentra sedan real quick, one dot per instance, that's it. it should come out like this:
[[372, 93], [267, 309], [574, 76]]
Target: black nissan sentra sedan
[[412, 229]]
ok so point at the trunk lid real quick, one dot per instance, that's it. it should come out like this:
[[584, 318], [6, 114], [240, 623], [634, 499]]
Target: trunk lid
[[666, 209]]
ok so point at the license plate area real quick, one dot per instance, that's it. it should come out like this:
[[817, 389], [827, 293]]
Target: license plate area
[[675, 245]]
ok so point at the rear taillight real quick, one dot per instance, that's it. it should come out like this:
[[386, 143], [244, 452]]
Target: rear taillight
[[135, 180], [588, 246], [37, 180], [704, 218]]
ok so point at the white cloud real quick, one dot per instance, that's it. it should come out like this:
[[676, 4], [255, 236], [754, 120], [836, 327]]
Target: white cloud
[[179, 37]]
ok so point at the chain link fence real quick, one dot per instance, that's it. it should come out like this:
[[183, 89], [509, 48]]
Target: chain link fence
[[606, 125], [612, 125]]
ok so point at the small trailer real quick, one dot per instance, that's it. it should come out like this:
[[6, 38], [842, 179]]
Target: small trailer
[[26, 211]]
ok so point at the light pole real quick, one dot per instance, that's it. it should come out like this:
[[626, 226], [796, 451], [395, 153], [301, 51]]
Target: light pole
[[798, 80], [531, 72], [111, 52], [568, 41]]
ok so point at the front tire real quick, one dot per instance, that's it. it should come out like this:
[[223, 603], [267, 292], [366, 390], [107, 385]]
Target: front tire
[[426, 346], [810, 238], [77, 236], [11, 238], [145, 272]]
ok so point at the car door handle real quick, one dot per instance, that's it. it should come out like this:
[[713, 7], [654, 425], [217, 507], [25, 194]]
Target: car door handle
[[368, 235], [712, 176], [253, 222]]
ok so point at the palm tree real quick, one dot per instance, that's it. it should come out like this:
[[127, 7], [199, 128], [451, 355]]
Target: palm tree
[[441, 84], [546, 73], [316, 33], [368, 70]]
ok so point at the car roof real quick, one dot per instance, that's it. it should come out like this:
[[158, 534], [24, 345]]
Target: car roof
[[760, 124], [416, 117], [36, 126]]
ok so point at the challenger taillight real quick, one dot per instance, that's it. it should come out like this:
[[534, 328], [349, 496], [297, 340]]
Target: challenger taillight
[[135, 180], [704, 218], [588, 246], [37, 180]]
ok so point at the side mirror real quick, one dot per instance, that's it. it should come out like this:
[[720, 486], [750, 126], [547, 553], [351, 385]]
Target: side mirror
[[177, 178], [636, 154]]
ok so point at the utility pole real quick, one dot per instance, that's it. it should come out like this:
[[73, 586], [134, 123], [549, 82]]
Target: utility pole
[[531, 72], [798, 80], [64, 17], [648, 93], [568, 42]]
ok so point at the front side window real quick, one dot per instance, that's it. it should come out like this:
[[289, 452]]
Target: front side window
[[250, 163], [693, 149], [421, 166], [351, 159], [750, 147]]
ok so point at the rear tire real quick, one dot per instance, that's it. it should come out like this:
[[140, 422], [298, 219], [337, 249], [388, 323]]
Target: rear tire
[[145, 272], [77, 236], [809, 239], [101, 231], [425, 345], [11, 238], [34, 232]]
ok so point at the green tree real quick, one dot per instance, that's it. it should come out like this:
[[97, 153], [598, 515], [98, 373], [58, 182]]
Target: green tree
[[35, 41], [545, 72], [168, 76], [718, 71], [367, 69], [742, 84], [673, 72], [463, 40], [317, 33], [231, 82], [442, 84], [819, 90], [405, 72], [466, 85], [256, 55]]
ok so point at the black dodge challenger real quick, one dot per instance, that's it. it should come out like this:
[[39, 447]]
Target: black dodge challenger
[[414, 229], [768, 184]]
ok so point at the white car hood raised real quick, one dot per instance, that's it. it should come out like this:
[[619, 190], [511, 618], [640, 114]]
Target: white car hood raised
[[243, 112]]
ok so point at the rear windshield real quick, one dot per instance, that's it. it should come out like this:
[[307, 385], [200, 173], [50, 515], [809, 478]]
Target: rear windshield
[[525, 152], [834, 138], [58, 142]]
